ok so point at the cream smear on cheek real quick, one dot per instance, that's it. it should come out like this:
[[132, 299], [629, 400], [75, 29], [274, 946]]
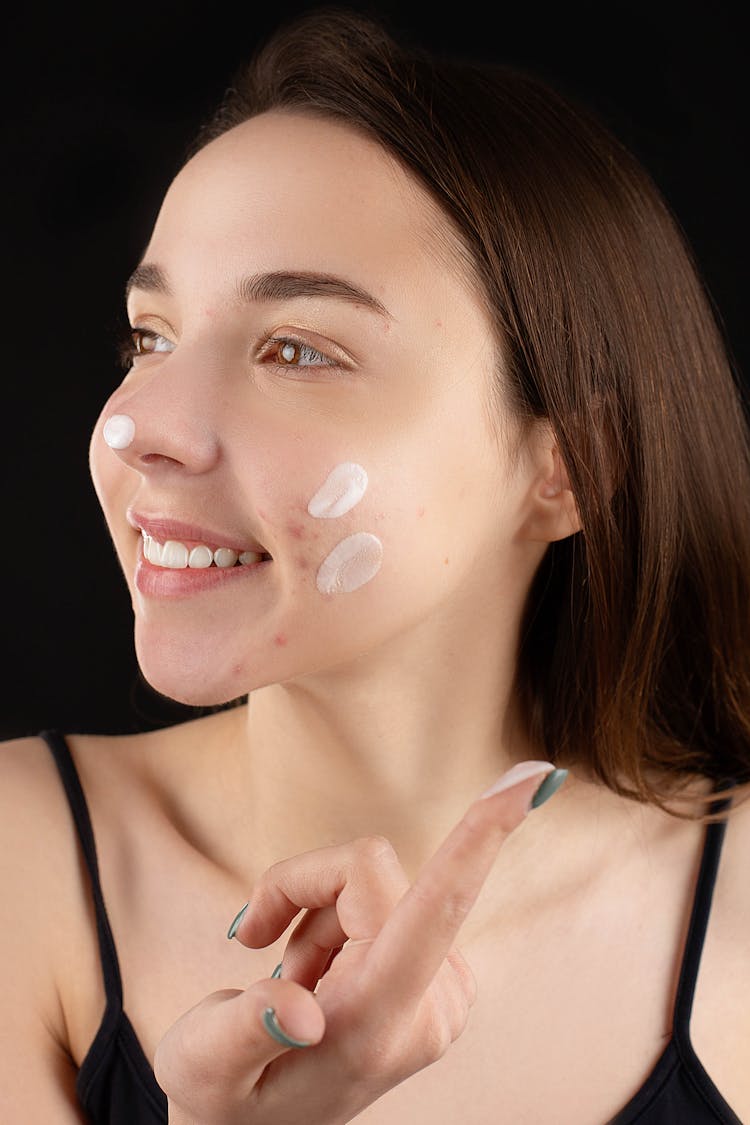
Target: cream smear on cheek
[[119, 431], [351, 563], [357, 558], [342, 489]]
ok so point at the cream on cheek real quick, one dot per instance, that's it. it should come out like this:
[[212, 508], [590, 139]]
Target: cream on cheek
[[357, 558], [341, 490]]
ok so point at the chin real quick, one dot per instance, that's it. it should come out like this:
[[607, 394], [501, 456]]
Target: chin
[[193, 693], [188, 675]]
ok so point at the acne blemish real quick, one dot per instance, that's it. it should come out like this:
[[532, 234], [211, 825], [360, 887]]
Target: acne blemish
[[344, 487], [119, 431], [420, 513], [352, 562], [296, 530], [445, 561], [280, 640]]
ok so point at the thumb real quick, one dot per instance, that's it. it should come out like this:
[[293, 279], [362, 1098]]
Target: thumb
[[211, 1059]]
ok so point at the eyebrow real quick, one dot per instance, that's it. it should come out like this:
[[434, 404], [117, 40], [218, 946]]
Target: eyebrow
[[279, 285]]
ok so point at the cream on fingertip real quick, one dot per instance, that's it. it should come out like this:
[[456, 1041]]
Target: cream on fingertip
[[522, 771]]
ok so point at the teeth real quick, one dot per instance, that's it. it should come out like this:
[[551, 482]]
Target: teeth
[[176, 556], [200, 557], [225, 556], [152, 550]]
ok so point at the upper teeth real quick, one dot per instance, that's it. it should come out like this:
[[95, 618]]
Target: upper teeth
[[177, 556]]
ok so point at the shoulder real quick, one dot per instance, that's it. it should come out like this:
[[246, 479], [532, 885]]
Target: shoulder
[[46, 939], [33, 817], [733, 882], [720, 1027], [40, 880]]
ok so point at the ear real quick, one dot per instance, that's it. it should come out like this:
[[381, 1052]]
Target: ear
[[552, 512]]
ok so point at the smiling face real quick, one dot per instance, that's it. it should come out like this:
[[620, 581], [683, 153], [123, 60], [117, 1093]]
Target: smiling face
[[310, 391]]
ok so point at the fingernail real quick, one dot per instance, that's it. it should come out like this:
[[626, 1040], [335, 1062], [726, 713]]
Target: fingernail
[[548, 788], [518, 773], [276, 1032], [236, 923], [277, 971]]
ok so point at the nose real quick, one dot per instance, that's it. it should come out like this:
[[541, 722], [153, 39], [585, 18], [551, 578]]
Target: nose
[[164, 423]]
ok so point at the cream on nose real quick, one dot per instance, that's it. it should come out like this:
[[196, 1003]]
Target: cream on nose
[[119, 431]]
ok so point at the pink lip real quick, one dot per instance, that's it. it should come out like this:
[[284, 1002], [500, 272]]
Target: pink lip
[[162, 529], [162, 582]]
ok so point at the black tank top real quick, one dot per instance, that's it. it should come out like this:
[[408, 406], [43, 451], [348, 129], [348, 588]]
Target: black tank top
[[116, 1085]]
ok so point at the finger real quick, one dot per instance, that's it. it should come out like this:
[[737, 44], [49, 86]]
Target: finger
[[432, 911], [363, 880], [212, 1058], [308, 951]]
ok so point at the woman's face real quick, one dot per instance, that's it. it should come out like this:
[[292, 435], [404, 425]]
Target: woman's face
[[311, 391]]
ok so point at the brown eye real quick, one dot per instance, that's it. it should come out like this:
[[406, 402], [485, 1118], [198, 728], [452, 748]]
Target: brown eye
[[289, 353], [146, 342], [293, 353]]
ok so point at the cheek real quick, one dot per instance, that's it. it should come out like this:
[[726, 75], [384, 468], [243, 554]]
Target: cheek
[[332, 528]]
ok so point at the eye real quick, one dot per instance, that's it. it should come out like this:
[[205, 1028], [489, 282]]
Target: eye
[[145, 342], [142, 341], [288, 352]]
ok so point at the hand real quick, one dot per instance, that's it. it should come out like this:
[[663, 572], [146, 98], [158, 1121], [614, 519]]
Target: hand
[[391, 992]]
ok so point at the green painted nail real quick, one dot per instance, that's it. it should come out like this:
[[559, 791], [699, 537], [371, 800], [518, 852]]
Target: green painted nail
[[273, 1028], [548, 788], [236, 923], [277, 971]]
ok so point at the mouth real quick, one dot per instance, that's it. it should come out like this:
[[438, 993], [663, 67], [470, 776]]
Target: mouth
[[174, 554], [176, 545]]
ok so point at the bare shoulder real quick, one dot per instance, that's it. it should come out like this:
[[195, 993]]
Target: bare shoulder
[[43, 934], [34, 824], [39, 868], [733, 884], [720, 1027]]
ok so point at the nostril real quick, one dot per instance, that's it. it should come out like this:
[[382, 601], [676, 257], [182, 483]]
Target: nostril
[[155, 458]]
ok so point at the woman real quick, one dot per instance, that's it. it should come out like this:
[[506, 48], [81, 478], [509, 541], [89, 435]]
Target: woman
[[429, 443]]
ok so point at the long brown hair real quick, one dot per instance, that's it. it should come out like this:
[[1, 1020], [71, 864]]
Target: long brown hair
[[634, 649]]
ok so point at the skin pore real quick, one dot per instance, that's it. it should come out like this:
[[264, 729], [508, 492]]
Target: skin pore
[[371, 704]]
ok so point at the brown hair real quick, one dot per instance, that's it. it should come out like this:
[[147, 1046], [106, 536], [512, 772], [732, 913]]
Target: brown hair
[[634, 655]]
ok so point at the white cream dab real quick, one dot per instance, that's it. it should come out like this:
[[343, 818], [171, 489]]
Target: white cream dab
[[342, 489], [119, 431], [351, 563]]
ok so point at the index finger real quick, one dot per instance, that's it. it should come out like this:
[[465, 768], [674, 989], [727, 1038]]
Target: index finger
[[430, 914]]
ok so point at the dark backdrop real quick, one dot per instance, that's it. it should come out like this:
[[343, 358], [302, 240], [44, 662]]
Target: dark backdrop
[[99, 108]]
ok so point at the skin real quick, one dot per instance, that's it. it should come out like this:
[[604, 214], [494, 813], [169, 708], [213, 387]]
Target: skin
[[348, 786], [247, 444]]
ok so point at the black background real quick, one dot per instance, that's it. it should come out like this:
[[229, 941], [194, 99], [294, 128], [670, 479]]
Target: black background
[[99, 107]]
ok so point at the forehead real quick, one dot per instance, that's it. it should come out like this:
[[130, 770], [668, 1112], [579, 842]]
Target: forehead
[[285, 190]]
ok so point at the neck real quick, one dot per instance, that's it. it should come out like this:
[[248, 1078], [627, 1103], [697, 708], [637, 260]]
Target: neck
[[394, 744]]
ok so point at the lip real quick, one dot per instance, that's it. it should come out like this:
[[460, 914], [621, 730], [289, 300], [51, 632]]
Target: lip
[[163, 582], [163, 528]]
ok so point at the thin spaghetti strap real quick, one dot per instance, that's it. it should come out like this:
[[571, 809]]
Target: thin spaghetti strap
[[699, 918], [79, 810]]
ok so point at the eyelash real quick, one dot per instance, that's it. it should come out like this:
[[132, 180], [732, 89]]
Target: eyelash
[[129, 348]]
